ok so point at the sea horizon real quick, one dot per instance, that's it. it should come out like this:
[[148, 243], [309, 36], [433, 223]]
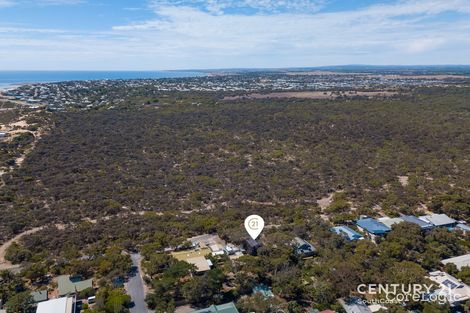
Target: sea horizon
[[10, 79]]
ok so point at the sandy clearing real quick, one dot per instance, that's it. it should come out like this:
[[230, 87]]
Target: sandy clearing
[[404, 180], [20, 124], [325, 201]]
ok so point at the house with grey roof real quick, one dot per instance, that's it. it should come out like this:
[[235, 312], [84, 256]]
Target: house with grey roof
[[68, 285], [424, 225], [39, 296], [390, 221], [463, 227], [303, 248], [439, 220], [222, 308], [251, 246]]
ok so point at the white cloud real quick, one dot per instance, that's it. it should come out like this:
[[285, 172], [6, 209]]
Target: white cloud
[[219, 7], [184, 35], [59, 2], [10, 3], [6, 3], [424, 44], [12, 30], [374, 26]]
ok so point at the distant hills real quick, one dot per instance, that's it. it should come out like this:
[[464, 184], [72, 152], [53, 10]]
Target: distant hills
[[360, 68]]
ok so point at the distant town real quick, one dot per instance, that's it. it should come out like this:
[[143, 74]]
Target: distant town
[[130, 195], [90, 94]]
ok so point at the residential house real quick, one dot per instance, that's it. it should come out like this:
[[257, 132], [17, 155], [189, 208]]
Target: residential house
[[389, 222], [202, 264], [450, 287], [347, 232], [211, 241], [216, 244], [354, 305], [68, 285], [372, 227], [459, 261], [463, 227], [60, 305], [39, 296], [439, 220], [233, 250], [413, 219], [303, 248], [251, 246], [196, 256], [223, 308]]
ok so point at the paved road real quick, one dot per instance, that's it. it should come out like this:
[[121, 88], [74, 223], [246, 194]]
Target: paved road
[[135, 287]]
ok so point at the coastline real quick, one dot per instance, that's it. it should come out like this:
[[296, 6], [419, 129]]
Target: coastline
[[14, 79], [7, 87]]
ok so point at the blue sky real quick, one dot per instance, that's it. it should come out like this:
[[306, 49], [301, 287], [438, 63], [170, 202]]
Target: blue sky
[[194, 34]]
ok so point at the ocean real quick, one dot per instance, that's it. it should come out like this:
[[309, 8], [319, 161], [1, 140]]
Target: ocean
[[14, 78]]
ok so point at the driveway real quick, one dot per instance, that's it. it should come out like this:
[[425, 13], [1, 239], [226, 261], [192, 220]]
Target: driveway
[[135, 286]]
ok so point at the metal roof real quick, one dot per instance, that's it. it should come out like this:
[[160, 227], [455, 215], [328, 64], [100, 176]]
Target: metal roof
[[66, 285], [60, 305], [463, 227], [348, 232], [39, 296], [373, 226], [201, 263], [438, 219], [459, 261], [252, 243], [299, 242], [417, 221], [223, 308], [389, 222]]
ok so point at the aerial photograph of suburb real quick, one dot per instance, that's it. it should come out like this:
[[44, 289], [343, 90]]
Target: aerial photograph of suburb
[[234, 156]]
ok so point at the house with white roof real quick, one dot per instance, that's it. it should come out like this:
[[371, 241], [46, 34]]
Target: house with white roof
[[60, 305], [217, 245], [450, 287], [459, 261]]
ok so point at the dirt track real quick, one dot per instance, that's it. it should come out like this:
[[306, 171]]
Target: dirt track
[[4, 264]]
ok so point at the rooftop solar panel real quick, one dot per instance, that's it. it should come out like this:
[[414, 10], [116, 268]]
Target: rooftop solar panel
[[449, 284]]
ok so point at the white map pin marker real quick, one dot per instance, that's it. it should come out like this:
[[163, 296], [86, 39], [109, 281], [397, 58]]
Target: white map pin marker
[[254, 225]]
